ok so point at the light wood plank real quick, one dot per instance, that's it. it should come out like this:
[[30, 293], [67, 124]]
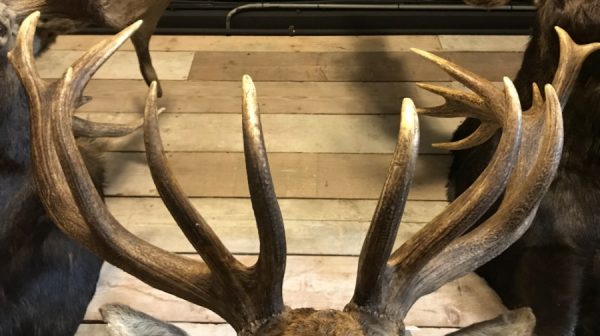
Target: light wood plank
[[122, 65], [483, 42], [388, 43], [303, 237], [151, 211], [196, 329], [319, 282], [360, 66], [274, 97], [298, 133], [337, 176], [313, 227]]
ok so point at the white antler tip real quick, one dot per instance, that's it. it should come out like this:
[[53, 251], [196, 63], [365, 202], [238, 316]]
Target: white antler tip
[[247, 83], [137, 24], [420, 52]]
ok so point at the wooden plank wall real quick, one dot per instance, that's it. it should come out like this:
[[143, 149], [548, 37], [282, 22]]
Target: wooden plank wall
[[330, 114]]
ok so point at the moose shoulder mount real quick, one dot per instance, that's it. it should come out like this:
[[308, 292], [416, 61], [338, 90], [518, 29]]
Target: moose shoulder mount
[[250, 298]]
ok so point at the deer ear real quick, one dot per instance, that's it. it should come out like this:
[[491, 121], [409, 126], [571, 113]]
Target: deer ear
[[124, 321], [519, 322]]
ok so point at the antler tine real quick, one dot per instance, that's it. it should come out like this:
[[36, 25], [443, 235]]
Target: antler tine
[[464, 104], [381, 236], [514, 215], [571, 59], [272, 258], [458, 103], [461, 104], [91, 129], [409, 259], [87, 65], [119, 245], [476, 83], [218, 258], [50, 123], [256, 292], [21, 56], [482, 134]]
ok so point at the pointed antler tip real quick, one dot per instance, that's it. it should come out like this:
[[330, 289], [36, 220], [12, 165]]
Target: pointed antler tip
[[408, 103], [563, 35], [247, 83], [35, 15], [30, 21], [508, 84], [549, 90], [68, 76], [422, 52], [409, 118]]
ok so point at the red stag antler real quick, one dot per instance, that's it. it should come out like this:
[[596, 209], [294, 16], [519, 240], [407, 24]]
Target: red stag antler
[[117, 14], [250, 298]]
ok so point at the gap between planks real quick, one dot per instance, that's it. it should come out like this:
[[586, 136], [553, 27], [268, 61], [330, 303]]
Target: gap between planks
[[285, 66], [273, 97], [329, 176], [313, 227], [283, 133]]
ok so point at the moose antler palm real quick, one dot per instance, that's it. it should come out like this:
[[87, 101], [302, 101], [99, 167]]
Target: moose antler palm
[[250, 298]]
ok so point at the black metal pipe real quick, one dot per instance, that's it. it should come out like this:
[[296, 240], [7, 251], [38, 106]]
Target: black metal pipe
[[209, 21], [363, 6]]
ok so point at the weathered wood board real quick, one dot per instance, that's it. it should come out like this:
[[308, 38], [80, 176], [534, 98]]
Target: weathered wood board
[[333, 176], [283, 133], [274, 97]]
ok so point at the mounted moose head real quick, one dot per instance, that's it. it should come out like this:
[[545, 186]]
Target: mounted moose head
[[250, 298], [116, 14], [560, 252]]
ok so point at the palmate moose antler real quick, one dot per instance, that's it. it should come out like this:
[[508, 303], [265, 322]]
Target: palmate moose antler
[[250, 298]]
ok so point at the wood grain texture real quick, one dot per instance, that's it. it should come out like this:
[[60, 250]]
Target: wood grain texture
[[337, 176], [283, 133], [483, 43], [336, 67], [151, 211], [389, 43], [313, 227], [320, 282], [122, 65], [274, 97], [342, 238]]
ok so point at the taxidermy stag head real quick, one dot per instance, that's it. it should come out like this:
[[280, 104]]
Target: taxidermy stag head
[[250, 298], [116, 14]]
